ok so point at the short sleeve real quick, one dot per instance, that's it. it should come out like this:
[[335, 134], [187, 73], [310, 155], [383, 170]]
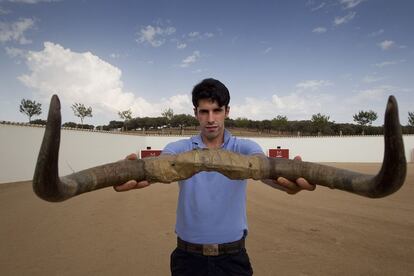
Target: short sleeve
[[250, 147], [176, 147]]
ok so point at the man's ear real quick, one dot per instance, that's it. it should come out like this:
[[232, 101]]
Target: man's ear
[[227, 111]]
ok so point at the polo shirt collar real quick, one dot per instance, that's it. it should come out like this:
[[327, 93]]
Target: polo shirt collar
[[198, 141]]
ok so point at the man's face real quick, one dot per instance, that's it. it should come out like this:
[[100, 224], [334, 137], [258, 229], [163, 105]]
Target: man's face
[[211, 118]]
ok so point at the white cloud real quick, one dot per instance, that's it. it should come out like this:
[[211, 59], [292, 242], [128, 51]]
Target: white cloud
[[344, 19], [267, 50], [15, 52], [320, 6], [190, 59], [371, 78], [301, 105], [371, 95], [181, 45], [319, 30], [388, 63], [179, 103], [296, 106], [313, 84], [155, 35], [192, 36], [85, 78], [292, 102], [348, 4], [252, 108], [386, 44], [376, 33], [373, 98], [198, 71], [16, 31], [115, 55]]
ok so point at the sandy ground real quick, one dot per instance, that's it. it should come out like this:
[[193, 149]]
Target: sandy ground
[[325, 232]]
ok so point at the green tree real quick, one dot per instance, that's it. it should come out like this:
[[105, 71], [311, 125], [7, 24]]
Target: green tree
[[241, 122], [125, 115], [279, 123], [168, 113], [364, 118], [115, 125], [183, 120], [411, 118], [39, 122], [320, 122], [81, 111], [266, 125], [30, 108]]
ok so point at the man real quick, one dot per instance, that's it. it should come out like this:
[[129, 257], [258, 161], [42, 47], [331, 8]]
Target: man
[[211, 214]]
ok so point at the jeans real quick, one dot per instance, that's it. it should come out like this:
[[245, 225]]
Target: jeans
[[185, 263]]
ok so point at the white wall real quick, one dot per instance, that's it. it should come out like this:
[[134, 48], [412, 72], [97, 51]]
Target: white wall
[[19, 146]]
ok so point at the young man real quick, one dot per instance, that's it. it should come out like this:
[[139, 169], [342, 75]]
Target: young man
[[211, 223]]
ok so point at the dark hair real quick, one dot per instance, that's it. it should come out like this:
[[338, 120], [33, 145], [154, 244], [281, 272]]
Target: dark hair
[[211, 89]]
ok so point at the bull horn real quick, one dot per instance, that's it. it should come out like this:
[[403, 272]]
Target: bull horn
[[169, 168]]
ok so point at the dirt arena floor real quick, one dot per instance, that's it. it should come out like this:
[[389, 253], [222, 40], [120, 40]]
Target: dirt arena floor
[[326, 232]]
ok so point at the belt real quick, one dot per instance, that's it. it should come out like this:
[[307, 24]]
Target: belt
[[211, 249]]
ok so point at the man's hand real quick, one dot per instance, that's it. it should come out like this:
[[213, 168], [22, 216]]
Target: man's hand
[[291, 187], [131, 184]]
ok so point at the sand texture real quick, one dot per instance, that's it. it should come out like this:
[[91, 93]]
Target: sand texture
[[326, 232]]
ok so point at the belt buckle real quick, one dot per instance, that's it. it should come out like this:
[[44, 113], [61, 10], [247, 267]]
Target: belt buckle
[[210, 249]]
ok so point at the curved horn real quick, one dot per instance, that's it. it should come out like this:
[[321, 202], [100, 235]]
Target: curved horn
[[169, 168], [46, 181]]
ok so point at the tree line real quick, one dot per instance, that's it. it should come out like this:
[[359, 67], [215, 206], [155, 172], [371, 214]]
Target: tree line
[[319, 124]]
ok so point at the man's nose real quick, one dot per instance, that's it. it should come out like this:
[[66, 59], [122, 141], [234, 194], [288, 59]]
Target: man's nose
[[210, 117]]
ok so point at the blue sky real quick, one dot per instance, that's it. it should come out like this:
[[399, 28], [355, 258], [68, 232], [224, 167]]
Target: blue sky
[[291, 58]]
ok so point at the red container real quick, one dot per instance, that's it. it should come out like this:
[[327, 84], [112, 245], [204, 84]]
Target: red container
[[279, 153], [150, 153]]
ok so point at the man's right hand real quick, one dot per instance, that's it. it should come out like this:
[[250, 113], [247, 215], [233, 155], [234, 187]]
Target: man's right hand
[[131, 184]]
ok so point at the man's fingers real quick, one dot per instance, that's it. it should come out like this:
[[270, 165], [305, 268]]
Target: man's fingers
[[142, 184], [289, 186], [131, 184], [303, 184], [132, 156], [126, 186], [292, 188], [298, 158]]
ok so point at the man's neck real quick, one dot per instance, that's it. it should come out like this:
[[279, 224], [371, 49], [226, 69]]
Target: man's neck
[[213, 143]]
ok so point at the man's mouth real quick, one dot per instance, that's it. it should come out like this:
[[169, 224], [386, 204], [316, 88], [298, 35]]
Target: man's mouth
[[211, 128]]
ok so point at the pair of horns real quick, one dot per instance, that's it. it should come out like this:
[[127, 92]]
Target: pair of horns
[[169, 168]]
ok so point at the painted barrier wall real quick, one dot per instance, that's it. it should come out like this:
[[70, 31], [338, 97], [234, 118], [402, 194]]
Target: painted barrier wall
[[79, 149]]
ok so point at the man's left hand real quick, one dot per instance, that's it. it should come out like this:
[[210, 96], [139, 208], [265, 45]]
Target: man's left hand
[[291, 187]]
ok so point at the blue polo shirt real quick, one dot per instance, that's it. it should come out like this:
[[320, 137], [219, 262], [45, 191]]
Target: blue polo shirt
[[211, 207]]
